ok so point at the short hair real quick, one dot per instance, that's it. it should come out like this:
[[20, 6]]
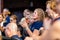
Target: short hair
[[14, 17], [27, 10]]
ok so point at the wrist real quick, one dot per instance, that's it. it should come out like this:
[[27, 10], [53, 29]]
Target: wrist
[[26, 28]]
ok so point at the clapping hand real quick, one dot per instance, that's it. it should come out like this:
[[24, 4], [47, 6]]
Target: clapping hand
[[23, 23]]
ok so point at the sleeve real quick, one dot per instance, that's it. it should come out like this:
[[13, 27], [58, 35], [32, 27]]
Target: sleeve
[[37, 26]]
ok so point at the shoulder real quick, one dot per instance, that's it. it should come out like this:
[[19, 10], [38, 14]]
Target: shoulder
[[57, 22], [56, 25]]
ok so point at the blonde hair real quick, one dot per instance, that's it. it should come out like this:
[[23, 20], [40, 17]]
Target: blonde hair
[[53, 3], [41, 13]]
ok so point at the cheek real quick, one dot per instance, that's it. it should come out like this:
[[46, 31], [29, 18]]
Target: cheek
[[1, 19], [58, 7], [35, 15]]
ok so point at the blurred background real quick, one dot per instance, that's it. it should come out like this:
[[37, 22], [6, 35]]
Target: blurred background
[[20, 5]]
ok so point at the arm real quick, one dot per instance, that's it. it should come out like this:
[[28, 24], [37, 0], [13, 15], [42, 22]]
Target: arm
[[2, 29], [27, 29], [25, 25]]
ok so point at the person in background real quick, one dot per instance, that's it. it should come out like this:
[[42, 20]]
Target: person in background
[[53, 33], [6, 19], [11, 30], [38, 16], [47, 19], [27, 13], [1, 26]]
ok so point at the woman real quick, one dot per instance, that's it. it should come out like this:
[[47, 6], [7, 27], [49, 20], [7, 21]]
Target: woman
[[1, 26], [38, 16], [27, 13], [6, 19]]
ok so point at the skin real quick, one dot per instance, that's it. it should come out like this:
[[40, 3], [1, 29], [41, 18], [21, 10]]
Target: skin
[[11, 28], [1, 20], [53, 33], [25, 25]]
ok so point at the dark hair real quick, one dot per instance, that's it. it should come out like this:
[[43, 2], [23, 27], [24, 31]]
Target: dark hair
[[1, 15]]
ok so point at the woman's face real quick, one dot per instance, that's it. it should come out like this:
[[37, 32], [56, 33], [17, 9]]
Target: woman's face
[[35, 14], [5, 12]]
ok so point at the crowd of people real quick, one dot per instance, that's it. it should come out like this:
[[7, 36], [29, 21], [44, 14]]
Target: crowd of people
[[35, 25]]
